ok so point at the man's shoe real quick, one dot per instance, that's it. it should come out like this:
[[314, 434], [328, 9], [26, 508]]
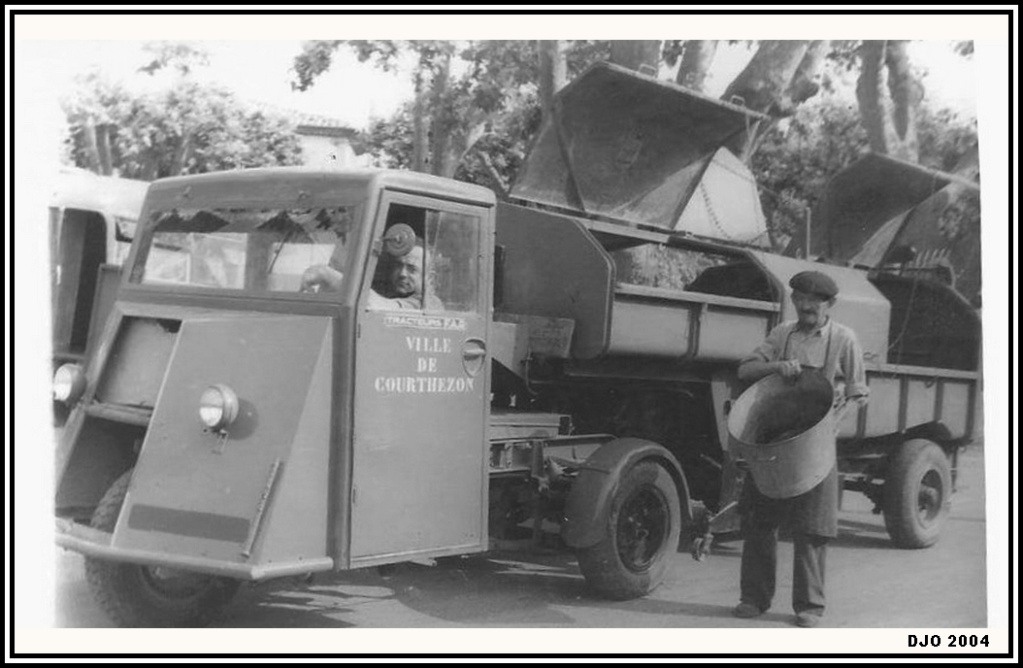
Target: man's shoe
[[807, 620], [747, 611]]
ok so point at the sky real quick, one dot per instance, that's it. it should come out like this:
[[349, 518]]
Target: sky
[[354, 92]]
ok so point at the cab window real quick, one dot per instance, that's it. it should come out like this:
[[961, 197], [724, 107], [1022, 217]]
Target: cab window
[[262, 250], [439, 272]]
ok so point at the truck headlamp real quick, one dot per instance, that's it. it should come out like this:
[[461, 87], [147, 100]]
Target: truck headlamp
[[218, 406], [68, 383]]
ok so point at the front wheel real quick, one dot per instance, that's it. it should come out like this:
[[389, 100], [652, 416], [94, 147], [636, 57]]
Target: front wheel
[[151, 596], [642, 533], [917, 490]]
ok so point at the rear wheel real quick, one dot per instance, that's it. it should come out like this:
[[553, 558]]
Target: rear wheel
[[917, 492], [642, 533], [151, 596]]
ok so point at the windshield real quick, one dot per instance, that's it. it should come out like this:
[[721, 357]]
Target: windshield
[[265, 250]]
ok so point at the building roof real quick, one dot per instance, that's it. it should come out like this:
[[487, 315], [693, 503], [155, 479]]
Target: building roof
[[308, 124]]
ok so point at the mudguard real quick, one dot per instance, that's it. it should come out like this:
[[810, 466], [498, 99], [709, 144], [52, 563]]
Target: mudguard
[[586, 512]]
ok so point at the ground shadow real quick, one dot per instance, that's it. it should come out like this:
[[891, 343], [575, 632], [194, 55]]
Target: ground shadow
[[861, 535]]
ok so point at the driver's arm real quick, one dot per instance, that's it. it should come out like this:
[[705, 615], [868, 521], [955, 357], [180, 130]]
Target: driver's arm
[[321, 277]]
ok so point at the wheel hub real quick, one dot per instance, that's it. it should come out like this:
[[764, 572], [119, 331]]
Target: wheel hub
[[641, 529], [929, 497]]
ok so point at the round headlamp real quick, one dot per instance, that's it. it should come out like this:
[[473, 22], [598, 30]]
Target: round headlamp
[[218, 406], [68, 383]]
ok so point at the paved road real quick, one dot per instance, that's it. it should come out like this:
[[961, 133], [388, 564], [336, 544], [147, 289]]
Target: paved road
[[870, 584]]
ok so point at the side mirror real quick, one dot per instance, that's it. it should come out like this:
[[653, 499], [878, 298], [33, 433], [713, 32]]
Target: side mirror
[[399, 239]]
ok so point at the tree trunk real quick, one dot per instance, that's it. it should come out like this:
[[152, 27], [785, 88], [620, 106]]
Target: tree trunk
[[888, 98], [441, 126], [419, 122], [641, 55], [906, 94], [697, 57], [106, 167], [553, 72], [765, 83], [806, 81], [91, 147], [181, 152], [150, 167]]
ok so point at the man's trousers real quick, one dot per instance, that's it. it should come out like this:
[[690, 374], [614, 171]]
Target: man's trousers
[[760, 565]]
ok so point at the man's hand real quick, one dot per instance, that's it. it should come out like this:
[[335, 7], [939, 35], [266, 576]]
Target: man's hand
[[788, 368], [860, 399], [321, 277]]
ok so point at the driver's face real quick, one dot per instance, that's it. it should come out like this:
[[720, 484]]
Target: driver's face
[[407, 274]]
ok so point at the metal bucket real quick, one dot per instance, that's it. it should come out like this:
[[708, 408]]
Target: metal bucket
[[785, 430]]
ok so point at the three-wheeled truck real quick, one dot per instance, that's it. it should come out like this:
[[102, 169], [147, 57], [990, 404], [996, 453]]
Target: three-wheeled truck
[[92, 219], [233, 427]]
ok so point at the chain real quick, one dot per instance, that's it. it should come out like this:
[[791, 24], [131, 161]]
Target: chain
[[717, 223]]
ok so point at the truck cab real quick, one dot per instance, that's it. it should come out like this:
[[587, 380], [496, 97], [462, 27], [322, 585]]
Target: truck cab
[[228, 392]]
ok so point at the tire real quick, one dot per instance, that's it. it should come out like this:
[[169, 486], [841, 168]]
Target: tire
[[917, 493], [144, 596], [641, 535]]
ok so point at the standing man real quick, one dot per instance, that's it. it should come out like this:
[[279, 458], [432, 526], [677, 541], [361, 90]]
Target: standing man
[[813, 342]]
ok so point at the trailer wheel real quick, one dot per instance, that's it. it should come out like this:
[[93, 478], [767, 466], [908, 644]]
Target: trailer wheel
[[642, 533], [917, 490], [151, 596]]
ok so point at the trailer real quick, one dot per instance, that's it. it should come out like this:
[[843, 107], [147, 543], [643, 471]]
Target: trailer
[[233, 427]]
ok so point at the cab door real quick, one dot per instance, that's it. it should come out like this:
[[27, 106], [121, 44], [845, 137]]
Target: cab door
[[422, 390]]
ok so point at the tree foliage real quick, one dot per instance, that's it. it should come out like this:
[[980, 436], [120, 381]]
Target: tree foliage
[[182, 128], [479, 102]]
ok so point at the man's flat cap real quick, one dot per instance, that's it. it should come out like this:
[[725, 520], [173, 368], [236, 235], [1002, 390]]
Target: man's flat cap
[[814, 283]]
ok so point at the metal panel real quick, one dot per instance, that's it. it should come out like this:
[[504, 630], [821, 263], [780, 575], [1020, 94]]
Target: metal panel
[[956, 407], [419, 452], [627, 145], [553, 267], [920, 401], [189, 479], [860, 199], [640, 328], [849, 426], [726, 204], [106, 293], [305, 185], [303, 487], [135, 369], [114, 196], [508, 424], [730, 335], [883, 409]]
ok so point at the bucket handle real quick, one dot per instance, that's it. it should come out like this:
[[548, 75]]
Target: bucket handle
[[760, 460]]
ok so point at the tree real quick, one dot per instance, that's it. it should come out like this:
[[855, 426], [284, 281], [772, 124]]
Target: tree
[[493, 98], [640, 55], [183, 128], [696, 58], [490, 111], [889, 96]]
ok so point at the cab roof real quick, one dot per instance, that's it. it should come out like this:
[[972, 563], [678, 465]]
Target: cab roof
[[313, 184], [110, 195]]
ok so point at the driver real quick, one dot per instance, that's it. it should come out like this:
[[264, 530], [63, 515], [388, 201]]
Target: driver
[[403, 288]]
